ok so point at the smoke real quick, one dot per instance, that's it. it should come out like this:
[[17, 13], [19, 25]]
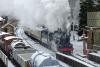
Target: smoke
[[53, 14], [75, 7], [6, 7], [76, 11]]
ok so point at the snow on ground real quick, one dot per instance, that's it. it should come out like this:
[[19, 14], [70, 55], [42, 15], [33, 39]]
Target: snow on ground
[[78, 45], [20, 33], [78, 49], [36, 45], [99, 52], [10, 64]]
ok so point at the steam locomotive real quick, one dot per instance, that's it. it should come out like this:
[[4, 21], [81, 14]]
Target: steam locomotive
[[23, 55], [57, 39]]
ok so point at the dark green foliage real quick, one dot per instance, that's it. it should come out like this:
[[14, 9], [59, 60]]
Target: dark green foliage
[[87, 6]]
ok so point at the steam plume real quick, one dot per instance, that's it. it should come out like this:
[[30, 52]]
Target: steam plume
[[52, 13]]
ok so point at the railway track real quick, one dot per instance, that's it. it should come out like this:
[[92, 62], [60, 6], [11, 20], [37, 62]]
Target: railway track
[[94, 57], [70, 60], [87, 60], [37, 46], [73, 61]]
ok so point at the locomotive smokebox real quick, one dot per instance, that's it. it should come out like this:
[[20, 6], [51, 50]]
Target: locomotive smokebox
[[43, 60]]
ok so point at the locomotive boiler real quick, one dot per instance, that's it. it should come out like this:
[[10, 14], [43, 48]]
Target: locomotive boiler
[[58, 40]]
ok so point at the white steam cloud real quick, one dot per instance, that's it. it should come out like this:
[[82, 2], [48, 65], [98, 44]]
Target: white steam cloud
[[52, 13]]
